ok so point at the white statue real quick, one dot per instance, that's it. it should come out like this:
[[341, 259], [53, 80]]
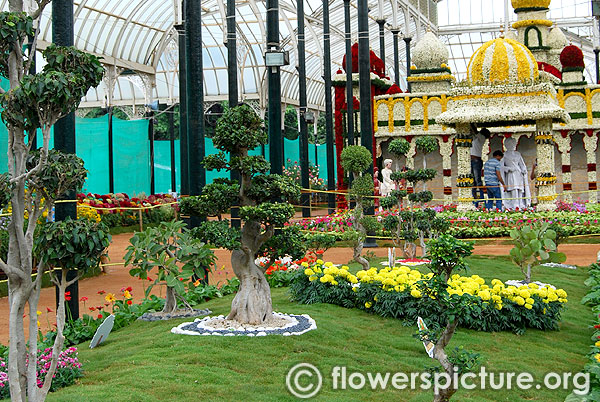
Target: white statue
[[387, 185], [514, 173]]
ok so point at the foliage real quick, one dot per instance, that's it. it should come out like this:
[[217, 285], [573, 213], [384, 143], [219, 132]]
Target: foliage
[[399, 147], [71, 244], [43, 98], [276, 214], [447, 254], [356, 159], [318, 243], [61, 172], [239, 128], [272, 186], [215, 200], [14, 28], [287, 241], [403, 293], [426, 144], [362, 187], [172, 249], [534, 245], [218, 234]]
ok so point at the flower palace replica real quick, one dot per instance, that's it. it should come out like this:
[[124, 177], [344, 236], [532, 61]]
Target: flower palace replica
[[527, 84]]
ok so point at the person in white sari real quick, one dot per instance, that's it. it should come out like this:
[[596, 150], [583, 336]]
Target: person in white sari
[[387, 185], [514, 173]]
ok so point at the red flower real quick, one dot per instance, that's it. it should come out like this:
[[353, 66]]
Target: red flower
[[83, 299], [99, 316], [129, 302], [49, 310], [92, 308], [68, 296], [101, 292], [129, 289]]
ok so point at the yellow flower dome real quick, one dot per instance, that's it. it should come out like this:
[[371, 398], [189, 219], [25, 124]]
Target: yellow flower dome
[[502, 61], [530, 4]]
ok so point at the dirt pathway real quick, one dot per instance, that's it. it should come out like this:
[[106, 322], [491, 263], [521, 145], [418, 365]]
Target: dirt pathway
[[117, 276]]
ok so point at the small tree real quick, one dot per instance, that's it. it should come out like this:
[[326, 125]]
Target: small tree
[[33, 102], [534, 245], [179, 257], [412, 224], [355, 160], [237, 132], [447, 255], [318, 243]]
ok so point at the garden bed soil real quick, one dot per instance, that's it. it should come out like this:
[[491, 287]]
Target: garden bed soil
[[117, 276]]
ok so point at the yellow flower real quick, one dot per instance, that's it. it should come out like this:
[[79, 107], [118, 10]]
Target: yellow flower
[[324, 279], [529, 300], [320, 262], [485, 295], [127, 295], [519, 300], [309, 272], [525, 293], [328, 264], [110, 298], [368, 304], [375, 298], [38, 323], [304, 264], [415, 293], [528, 306], [597, 357], [355, 289], [197, 283], [597, 344], [39, 313], [312, 278]]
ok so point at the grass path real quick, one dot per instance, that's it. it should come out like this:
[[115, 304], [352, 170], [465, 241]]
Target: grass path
[[145, 362]]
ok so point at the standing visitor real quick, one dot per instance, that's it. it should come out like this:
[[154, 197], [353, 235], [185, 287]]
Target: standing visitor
[[387, 185], [479, 138], [493, 179], [377, 186], [514, 173]]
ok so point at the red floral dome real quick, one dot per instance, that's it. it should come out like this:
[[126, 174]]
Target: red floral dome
[[394, 89], [572, 57]]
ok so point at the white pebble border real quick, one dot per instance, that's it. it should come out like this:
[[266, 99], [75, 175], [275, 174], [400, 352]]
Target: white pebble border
[[202, 329], [555, 265], [518, 283]]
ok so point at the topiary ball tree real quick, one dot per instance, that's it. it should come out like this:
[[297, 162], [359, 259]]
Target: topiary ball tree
[[426, 144], [263, 200], [356, 159]]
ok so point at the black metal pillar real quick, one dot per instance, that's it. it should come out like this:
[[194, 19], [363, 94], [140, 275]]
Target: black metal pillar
[[233, 89], [172, 141], [150, 117], [64, 133], [396, 32], [183, 138], [364, 81], [111, 154], [195, 98], [329, 141], [349, 96], [274, 80], [408, 62], [305, 197], [382, 41]]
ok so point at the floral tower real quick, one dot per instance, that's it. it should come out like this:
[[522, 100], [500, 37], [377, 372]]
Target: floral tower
[[533, 26], [430, 72]]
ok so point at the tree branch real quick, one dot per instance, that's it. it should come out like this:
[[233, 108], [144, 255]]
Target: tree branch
[[41, 5]]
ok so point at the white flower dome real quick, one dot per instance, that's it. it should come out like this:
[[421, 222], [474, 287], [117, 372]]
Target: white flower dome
[[429, 52], [556, 38]]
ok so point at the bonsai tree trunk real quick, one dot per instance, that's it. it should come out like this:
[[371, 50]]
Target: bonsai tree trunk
[[444, 395], [170, 301], [358, 246], [252, 304], [423, 244], [528, 274]]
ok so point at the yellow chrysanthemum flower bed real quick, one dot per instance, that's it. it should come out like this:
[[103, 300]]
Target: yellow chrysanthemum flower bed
[[403, 292]]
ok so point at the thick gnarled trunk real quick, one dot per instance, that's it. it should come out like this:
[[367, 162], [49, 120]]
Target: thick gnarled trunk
[[252, 304]]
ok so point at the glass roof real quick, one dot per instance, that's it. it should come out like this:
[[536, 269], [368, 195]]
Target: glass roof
[[138, 35]]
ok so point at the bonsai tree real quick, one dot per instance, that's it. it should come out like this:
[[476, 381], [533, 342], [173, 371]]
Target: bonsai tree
[[179, 257], [447, 256], [426, 144], [534, 245], [33, 102], [263, 207], [355, 160], [412, 224], [63, 246], [318, 243]]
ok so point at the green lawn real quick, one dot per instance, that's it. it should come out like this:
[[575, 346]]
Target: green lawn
[[145, 362]]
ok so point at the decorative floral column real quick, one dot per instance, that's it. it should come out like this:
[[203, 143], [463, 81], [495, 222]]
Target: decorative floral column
[[464, 181], [545, 174], [339, 143], [446, 152], [590, 142], [410, 159], [563, 141]]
